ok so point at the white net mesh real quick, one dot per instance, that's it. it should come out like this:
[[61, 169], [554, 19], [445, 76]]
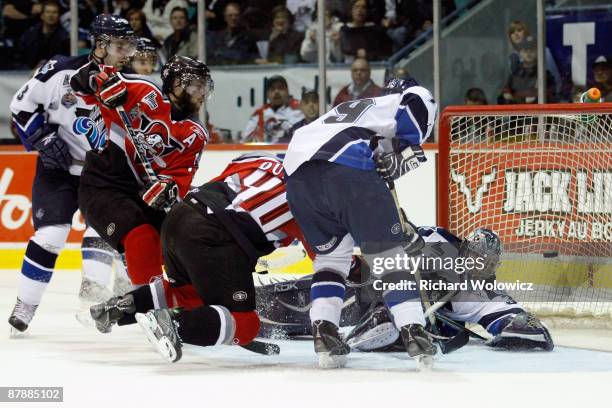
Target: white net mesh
[[543, 182]]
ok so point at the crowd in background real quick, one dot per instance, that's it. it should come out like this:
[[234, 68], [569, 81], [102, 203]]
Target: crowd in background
[[281, 32]]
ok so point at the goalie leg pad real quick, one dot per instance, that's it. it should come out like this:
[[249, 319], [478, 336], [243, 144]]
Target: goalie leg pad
[[521, 331]]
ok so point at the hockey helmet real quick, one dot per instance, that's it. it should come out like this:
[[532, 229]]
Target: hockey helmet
[[193, 76], [107, 26], [398, 85]]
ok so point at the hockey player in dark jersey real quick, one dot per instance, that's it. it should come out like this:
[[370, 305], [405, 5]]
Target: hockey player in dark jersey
[[340, 201], [60, 126], [128, 183], [283, 306], [211, 242]]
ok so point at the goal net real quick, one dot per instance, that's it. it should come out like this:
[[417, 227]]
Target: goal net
[[541, 177]]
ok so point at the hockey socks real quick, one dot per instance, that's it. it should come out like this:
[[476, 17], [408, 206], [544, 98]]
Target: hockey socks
[[143, 254], [39, 262], [97, 260], [403, 304], [327, 294]]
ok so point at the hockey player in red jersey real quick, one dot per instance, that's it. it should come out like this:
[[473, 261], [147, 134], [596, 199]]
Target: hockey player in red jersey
[[122, 197], [211, 242]]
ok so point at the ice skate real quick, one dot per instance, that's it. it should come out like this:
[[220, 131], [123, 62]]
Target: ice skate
[[522, 332], [161, 331], [374, 331], [418, 345], [106, 314], [328, 345], [21, 316], [92, 292]]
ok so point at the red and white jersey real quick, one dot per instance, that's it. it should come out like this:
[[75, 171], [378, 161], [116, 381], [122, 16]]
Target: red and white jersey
[[258, 181], [173, 147], [269, 125]]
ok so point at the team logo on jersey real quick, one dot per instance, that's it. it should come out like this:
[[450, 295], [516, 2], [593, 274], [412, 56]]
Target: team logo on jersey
[[156, 135], [68, 99], [328, 245], [476, 205], [239, 296], [396, 228], [85, 126], [110, 230], [49, 66]]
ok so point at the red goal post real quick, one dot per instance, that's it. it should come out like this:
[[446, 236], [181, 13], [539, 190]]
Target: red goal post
[[541, 177]]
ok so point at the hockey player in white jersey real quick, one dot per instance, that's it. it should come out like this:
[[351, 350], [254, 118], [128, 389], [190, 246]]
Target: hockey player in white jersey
[[336, 189], [61, 127]]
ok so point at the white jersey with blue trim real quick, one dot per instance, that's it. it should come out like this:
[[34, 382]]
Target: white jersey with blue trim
[[48, 99], [343, 134]]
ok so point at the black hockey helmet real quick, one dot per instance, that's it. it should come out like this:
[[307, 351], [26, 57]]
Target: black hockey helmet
[[398, 85], [145, 46], [107, 26], [189, 72]]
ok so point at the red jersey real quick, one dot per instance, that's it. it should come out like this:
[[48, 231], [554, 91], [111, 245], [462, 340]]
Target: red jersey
[[173, 147], [259, 184]]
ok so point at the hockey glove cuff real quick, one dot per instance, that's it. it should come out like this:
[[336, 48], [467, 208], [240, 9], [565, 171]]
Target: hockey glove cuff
[[162, 194]]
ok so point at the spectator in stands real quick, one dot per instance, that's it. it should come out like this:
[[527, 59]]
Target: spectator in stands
[[138, 21], [361, 38], [405, 22], [361, 85], [215, 14], [45, 39], [158, 16], [475, 96], [309, 49], [521, 86], [256, 16], [18, 16], [283, 42], [273, 120], [309, 105], [602, 77], [234, 44], [183, 41], [122, 7], [303, 13], [517, 31]]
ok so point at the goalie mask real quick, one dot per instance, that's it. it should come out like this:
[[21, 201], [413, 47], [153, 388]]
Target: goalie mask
[[193, 76], [484, 243]]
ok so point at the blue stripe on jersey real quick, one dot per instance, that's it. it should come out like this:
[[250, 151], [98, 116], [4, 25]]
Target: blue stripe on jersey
[[407, 130], [326, 291], [358, 157], [35, 121]]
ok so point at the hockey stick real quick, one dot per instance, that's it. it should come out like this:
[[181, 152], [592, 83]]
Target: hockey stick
[[262, 347], [140, 149]]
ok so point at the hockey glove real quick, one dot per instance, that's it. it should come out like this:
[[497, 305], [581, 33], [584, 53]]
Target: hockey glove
[[52, 150], [391, 166], [111, 91], [162, 194]]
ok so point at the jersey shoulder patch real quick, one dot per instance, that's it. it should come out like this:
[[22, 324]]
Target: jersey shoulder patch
[[59, 63]]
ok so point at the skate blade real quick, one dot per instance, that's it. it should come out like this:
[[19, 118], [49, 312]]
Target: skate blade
[[16, 334], [163, 345], [327, 361], [84, 317], [424, 363], [380, 336]]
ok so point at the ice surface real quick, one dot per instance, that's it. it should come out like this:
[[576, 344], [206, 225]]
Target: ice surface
[[121, 369]]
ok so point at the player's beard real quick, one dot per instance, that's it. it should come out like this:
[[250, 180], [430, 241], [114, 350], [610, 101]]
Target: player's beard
[[183, 107]]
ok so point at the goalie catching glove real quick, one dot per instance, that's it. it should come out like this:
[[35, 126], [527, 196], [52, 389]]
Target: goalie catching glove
[[162, 194], [393, 165]]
